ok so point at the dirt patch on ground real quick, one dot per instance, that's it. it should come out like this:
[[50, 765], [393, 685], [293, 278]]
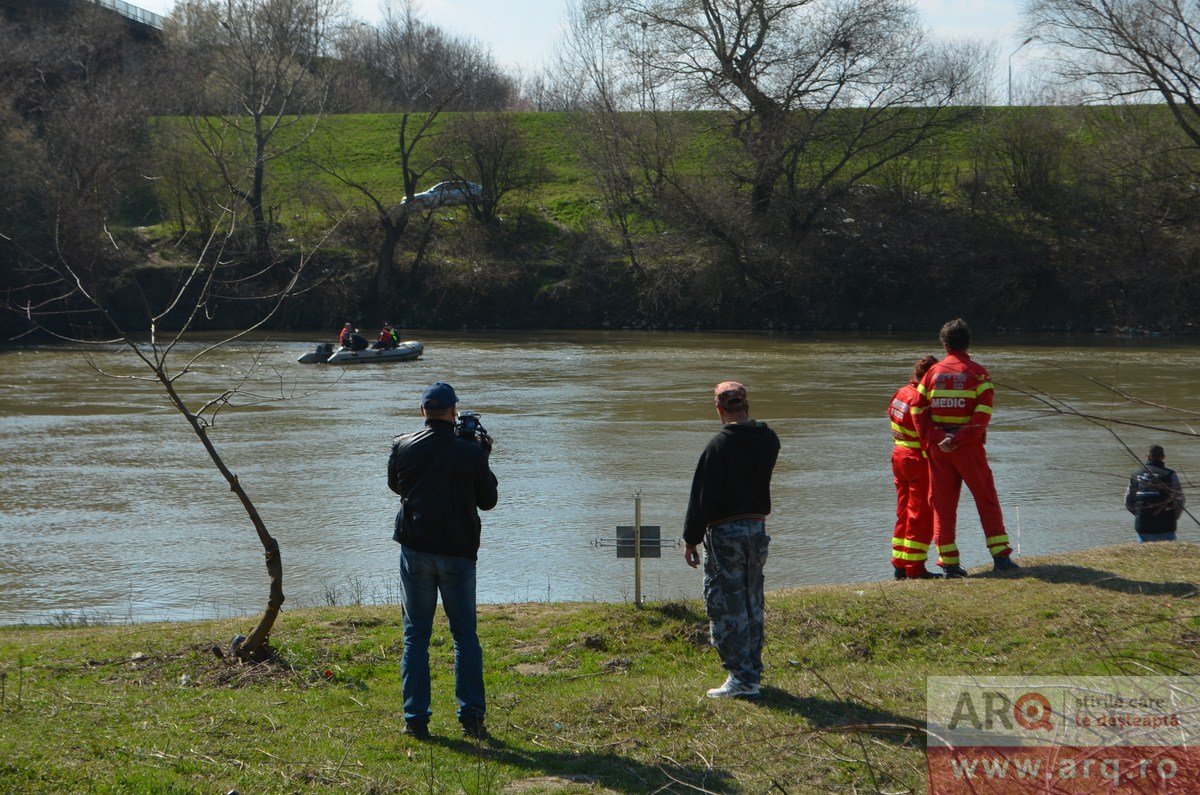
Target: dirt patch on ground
[[534, 647], [564, 783], [692, 634], [532, 669], [358, 623], [199, 665]]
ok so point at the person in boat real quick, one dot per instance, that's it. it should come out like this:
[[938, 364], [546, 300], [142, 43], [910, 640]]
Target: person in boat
[[387, 338], [350, 339], [395, 335]]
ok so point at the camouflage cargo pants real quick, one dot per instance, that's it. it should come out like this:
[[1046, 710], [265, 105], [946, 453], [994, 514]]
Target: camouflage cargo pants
[[734, 555]]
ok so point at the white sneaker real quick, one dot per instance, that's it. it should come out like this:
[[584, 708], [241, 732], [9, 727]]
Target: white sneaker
[[734, 689]]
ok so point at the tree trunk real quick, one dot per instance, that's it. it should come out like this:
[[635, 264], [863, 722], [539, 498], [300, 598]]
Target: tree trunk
[[392, 232], [262, 233], [256, 647]]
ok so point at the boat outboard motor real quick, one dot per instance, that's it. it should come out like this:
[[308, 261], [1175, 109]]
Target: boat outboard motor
[[322, 352]]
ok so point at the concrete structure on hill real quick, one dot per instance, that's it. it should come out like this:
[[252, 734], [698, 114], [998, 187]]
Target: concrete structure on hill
[[141, 21]]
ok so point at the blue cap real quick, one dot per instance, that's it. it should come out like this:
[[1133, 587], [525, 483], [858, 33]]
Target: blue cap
[[439, 396]]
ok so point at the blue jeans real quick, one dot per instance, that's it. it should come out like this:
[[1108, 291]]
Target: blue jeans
[[422, 576], [1146, 538]]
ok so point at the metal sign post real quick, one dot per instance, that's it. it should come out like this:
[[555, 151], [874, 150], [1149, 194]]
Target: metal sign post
[[637, 541], [637, 548]]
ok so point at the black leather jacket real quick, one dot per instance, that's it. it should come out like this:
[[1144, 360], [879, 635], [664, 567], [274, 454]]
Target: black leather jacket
[[444, 482]]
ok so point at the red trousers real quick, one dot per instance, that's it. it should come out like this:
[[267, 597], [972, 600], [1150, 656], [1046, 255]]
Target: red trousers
[[914, 517], [947, 472]]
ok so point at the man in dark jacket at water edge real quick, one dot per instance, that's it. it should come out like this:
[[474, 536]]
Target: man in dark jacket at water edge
[[444, 481], [1155, 497], [727, 510]]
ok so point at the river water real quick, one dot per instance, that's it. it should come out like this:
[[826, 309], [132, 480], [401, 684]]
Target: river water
[[111, 510]]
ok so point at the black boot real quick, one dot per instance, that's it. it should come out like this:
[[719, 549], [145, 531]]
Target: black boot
[[1004, 563], [417, 729], [473, 728], [897, 573], [954, 571], [924, 574]]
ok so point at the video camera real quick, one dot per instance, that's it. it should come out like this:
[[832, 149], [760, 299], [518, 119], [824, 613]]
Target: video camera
[[468, 427]]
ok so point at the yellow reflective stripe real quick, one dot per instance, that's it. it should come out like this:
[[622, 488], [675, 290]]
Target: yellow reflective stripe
[[948, 560], [903, 542], [909, 445], [943, 548], [915, 410], [921, 388], [983, 409], [915, 557], [952, 393], [898, 428], [985, 386], [997, 540], [951, 420]]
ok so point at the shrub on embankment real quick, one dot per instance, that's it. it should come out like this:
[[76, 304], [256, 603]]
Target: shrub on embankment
[[582, 697]]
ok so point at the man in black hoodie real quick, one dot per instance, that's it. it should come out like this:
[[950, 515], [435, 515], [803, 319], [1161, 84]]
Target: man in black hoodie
[[443, 480], [730, 500]]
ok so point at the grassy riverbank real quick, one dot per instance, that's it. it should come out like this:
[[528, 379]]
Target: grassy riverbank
[[583, 697]]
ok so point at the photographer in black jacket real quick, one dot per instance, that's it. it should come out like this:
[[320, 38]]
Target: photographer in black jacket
[[444, 481]]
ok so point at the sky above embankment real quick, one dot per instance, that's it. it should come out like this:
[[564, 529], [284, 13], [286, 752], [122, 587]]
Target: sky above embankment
[[522, 33]]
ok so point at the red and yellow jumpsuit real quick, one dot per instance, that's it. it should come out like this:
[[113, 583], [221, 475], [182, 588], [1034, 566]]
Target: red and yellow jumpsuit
[[955, 399], [910, 472]]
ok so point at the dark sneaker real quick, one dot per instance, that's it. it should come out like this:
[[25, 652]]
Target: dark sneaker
[[417, 729], [898, 573], [954, 571], [1004, 563], [924, 574], [473, 728]]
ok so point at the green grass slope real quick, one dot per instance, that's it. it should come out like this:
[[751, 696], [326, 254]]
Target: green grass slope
[[583, 697]]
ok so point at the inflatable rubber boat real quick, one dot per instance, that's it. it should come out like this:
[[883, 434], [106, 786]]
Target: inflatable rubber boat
[[326, 354]]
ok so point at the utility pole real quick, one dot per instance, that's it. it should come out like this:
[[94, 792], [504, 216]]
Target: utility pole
[[1010, 57]]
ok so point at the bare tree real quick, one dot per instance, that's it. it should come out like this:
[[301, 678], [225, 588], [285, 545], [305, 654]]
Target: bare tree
[[74, 129], [82, 109], [630, 154], [413, 133], [425, 72], [1128, 49], [256, 66], [87, 292], [786, 70], [417, 66], [490, 149]]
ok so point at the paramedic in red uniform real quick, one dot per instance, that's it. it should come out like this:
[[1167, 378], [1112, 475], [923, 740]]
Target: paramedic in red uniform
[[951, 414], [910, 472]]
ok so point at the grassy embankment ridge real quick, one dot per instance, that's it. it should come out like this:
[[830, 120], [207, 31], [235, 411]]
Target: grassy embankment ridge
[[945, 211], [583, 697]]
